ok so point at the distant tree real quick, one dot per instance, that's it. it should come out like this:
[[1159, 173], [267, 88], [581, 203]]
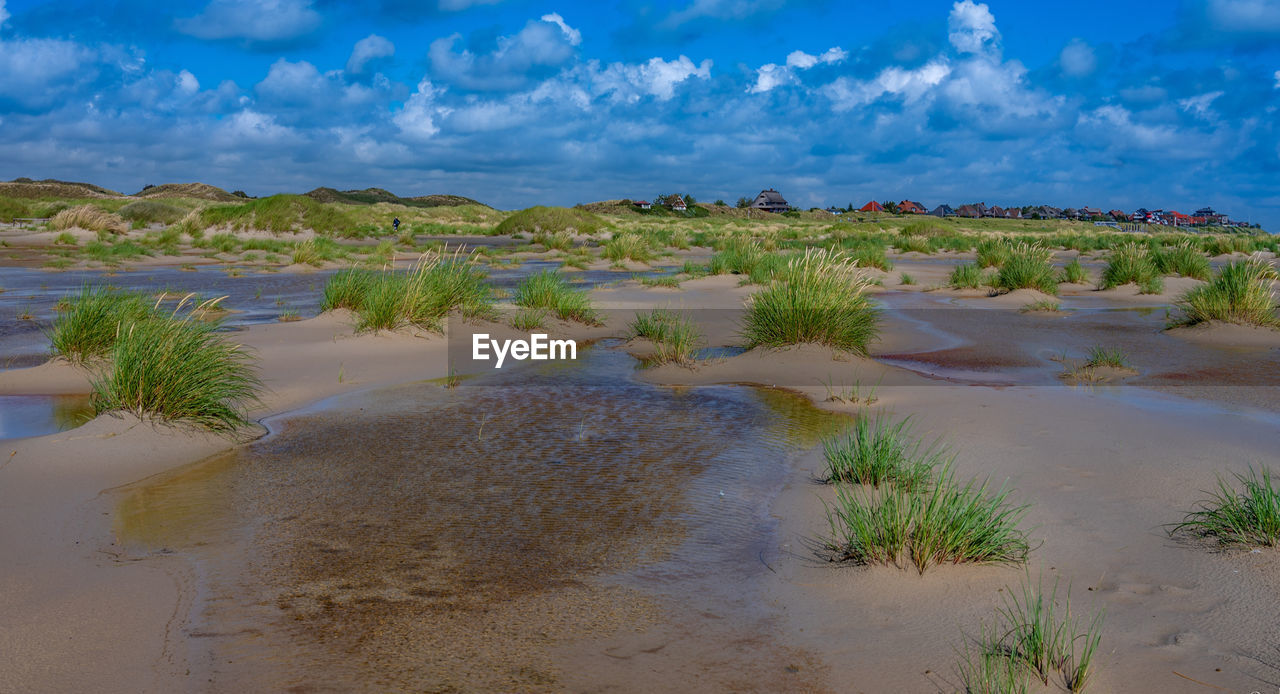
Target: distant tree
[[720, 203], [890, 206], [237, 193], [850, 208], [149, 186], [690, 200], [743, 203]]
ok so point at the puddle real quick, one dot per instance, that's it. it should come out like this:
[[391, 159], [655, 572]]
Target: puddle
[[36, 415], [423, 537]]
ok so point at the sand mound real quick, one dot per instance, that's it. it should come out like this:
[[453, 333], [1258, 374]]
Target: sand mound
[[53, 188], [371, 196], [203, 191], [1220, 334]]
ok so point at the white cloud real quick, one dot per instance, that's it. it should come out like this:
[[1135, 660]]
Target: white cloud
[[253, 20], [252, 127], [896, 82], [771, 75], [1277, 76], [543, 43], [4, 13], [572, 35], [720, 9], [417, 119], [368, 49], [972, 27], [32, 70], [1248, 16], [1077, 59], [1115, 125], [187, 83], [657, 78], [1199, 105], [803, 61]]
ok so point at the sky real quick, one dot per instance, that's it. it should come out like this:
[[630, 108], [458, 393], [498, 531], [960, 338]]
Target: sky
[[1109, 104]]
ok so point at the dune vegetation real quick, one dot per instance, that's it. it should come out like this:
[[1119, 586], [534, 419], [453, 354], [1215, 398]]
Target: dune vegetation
[[675, 337], [550, 290], [1245, 514], [87, 324], [1240, 293], [89, 218], [819, 297], [422, 297]]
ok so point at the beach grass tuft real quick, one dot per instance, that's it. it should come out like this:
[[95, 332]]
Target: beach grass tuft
[[967, 276], [89, 218], [924, 525], [437, 284], [1130, 263], [87, 324], [1074, 273], [1247, 514], [878, 452], [1112, 357], [816, 298], [674, 336], [1182, 259], [551, 291], [178, 369], [1027, 267], [1240, 293]]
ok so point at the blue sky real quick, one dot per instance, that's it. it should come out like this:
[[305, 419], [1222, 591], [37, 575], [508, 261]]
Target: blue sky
[[1109, 104]]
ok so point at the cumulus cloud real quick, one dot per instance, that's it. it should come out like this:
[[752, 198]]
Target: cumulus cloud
[[33, 72], [541, 46], [972, 27], [894, 82], [367, 50], [417, 119], [252, 20], [772, 75], [1245, 16], [657, 78], [1077, 59]]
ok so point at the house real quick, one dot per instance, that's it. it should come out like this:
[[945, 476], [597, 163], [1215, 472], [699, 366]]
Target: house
[[1090, 212], [910, 207], [677, 203], [770, 201], [1013, 213], [972, 211], [835, 210], [1118, 215], [995, 211], [643, 204], [1046, 212], [872, 206], [943, 211]]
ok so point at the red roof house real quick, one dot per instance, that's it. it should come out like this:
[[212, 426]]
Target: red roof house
[[911, 207], [872, 206]]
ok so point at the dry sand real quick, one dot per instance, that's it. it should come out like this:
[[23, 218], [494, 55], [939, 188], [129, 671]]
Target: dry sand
[[1104, 470]]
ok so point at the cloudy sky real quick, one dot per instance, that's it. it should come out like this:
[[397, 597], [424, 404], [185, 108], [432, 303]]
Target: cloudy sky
[[1106, 103]]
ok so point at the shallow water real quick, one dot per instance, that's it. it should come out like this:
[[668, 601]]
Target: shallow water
[[420, 537], [37, 415]]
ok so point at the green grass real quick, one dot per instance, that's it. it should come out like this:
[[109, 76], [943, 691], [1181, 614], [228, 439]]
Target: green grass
[[1074, 273], [992, 252], [550, 220], [968, 276], [923, 227], [151, 211], [551, 291], [628, 247], [422, 297], [178, 369], [560, 240], [86, 327], [1182, 259], [1248, 514], [1130, 263], [1044, 305], [669, 281], [1027, 267], [1240, 293], [1112, 357], [1034, 635], [914, 244], [529, 319], [905, 279], [738, 257], [90, 218], [817, 298], [945, 522], [675, 338], [870, 256], [278, 214], [880, 452]]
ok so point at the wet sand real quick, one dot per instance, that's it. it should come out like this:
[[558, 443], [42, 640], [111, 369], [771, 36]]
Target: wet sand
[[1105, 467]]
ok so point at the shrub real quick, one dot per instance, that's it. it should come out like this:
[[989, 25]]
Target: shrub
[[1182, 259], [1241, 293], [1027, 267], [90, 218], [966, 277], [880, 452], [1129, 262], [551, 291], [178, 369], [1249, 515], [1074, 273], [86, 327], [550, 220], [926, 525], [816, 298]]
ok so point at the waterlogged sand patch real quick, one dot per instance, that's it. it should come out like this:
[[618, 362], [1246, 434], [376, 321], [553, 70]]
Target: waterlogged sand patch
[[1217, 333]]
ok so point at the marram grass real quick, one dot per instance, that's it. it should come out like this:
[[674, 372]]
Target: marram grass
[[879, 452], [1027, 267], [87, 325], [1130, 263], [816, 298], [675, 338], [1246, 514], [945, 522], [436, 285], [178, 369], [551, 291], [1240, 293], [968, 276]]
